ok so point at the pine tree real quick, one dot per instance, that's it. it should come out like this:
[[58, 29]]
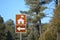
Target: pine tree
[[37, 8], [53, 27], [2, 29], [10, 28], [34, 16]]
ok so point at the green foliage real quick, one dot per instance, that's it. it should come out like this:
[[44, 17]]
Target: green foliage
[[35, 15], [54, 27], [49, 34], [2, 29], [10, 27], [44, 27], [31, 34], [7, 30]]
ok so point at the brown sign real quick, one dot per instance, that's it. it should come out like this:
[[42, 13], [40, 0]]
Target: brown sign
[[20, 23]]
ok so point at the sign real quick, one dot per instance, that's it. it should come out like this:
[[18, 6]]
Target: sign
[[20, 23]]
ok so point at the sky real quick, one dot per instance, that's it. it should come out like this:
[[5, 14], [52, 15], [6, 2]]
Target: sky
[[9, 8]]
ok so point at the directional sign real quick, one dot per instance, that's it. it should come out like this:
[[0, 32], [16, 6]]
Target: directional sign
[[20, 23]]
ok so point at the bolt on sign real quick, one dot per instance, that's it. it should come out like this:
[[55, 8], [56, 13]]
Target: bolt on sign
[[20, 23]]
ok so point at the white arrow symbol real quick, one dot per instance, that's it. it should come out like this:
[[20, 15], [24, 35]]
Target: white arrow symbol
[[19, 28]]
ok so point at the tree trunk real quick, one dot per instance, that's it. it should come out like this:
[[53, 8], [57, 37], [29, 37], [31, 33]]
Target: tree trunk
[[39, 27]]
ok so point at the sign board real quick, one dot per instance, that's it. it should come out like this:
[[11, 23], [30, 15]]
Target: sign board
[[20, 23]]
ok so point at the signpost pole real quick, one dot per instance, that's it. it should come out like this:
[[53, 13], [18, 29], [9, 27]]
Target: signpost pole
[[20, 36]]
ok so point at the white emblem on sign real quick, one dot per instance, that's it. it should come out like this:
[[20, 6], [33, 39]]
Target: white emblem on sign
[[21, 20]]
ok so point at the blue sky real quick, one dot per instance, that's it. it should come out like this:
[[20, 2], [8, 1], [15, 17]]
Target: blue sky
[[9, 8]]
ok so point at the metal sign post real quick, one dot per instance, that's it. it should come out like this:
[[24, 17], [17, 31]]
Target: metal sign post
[[20, 36]]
